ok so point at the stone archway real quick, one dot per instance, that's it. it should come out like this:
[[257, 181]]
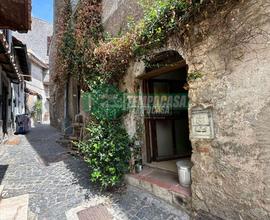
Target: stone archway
[[166, 133]]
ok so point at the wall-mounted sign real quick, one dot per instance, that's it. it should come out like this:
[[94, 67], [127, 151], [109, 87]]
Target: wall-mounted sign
[[202, 124]]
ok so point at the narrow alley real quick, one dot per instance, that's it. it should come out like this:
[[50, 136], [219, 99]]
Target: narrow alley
[[134, 110], [57, 182]]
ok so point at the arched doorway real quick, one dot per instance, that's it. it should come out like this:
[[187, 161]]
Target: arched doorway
[[166, 110]]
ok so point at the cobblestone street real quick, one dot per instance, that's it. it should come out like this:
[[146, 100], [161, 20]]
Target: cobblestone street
[[57, 182]]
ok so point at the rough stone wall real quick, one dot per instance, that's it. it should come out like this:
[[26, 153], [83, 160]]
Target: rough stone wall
[[116, 14], [134, 121], [230, 174], [231, 177], [115, 17], [56, 92], [232, 52]]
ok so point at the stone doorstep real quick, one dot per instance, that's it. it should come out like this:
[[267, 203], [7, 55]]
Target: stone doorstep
[[169, 191], [13, 140], [15, 208]]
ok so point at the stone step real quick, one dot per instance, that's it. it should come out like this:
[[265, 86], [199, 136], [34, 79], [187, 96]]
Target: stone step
[[15, 208], [161, 184]]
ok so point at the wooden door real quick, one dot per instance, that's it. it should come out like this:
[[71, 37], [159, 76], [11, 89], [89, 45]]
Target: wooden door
[[167, 131]]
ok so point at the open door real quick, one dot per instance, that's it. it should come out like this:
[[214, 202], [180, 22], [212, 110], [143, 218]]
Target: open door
[[167, 126]]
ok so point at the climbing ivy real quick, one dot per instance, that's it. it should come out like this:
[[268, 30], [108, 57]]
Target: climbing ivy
[[159, 21], [98, 59], [63, 38]]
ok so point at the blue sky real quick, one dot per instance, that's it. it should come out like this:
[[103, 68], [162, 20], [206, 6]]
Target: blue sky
[[43, 9]]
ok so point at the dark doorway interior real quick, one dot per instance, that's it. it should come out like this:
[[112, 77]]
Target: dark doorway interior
[[168, 129]]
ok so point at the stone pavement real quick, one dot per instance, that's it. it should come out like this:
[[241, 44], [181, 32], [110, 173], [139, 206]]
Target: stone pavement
[[58, 182]]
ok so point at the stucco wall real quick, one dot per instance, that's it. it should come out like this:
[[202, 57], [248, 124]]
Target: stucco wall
[[38, 86], [37, 38], [37, 44]]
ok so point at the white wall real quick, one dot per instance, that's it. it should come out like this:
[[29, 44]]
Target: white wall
[[38, 86], [18, 103]]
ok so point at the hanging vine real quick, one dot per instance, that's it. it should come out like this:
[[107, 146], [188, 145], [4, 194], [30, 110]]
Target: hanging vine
[[64, 42], [85, 52], [90, 56]]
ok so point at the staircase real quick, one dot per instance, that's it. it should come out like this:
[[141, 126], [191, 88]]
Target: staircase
[[15, 208]]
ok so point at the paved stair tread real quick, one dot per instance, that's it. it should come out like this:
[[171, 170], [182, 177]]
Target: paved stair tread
[[15, 208]]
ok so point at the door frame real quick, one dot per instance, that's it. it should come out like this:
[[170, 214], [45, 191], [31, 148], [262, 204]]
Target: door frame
[[149, 123]]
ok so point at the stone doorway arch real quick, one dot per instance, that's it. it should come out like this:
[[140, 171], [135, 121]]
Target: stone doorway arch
[[166, 133]]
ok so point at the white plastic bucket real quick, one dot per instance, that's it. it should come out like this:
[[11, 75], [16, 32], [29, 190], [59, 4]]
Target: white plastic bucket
[[184, 172]]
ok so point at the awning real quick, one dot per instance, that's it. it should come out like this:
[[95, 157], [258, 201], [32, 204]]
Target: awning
[[22, 56], [32, 92], [15, 15], [10, 61], [7, 60]]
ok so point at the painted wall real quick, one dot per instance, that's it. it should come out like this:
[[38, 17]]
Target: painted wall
[[37, 38], [37, 85], [37, 41]]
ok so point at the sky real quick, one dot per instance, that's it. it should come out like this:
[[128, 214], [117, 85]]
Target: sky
[[43, 9]]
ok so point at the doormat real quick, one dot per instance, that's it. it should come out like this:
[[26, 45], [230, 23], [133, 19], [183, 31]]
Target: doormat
[[13, 141], [99, 212]]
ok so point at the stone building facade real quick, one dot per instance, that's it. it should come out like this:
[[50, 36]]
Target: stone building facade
[[14, 72], [64, 99], [230, 177], [38, 41], [227, 57]]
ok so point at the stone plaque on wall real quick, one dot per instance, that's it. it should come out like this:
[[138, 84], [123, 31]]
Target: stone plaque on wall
[[202, 124]]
